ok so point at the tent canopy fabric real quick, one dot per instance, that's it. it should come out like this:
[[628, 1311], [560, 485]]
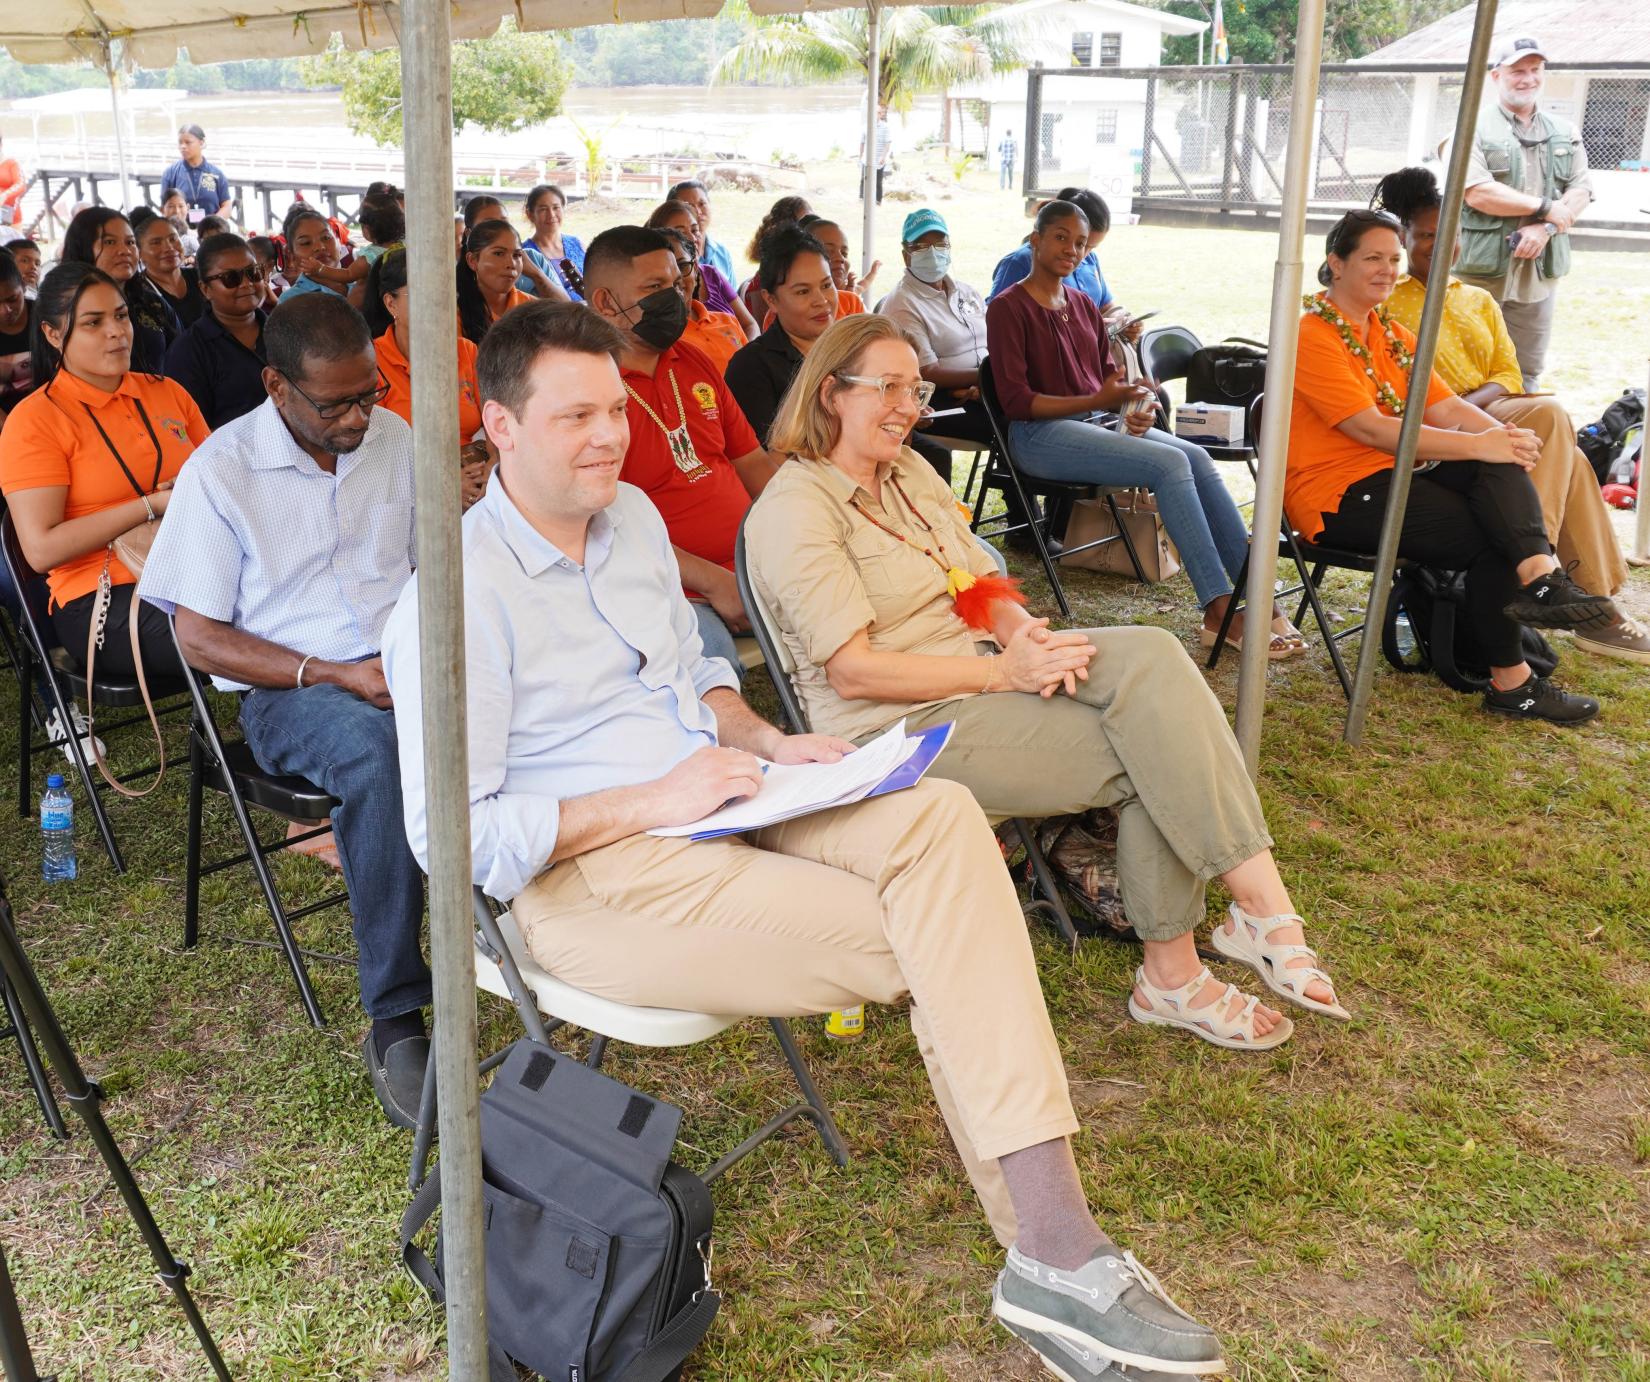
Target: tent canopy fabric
[[152, 31]]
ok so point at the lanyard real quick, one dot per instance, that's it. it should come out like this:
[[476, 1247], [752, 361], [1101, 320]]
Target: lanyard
[[154, 440]]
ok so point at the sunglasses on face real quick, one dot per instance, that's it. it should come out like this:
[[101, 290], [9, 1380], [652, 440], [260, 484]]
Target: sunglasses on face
[[233, 278]]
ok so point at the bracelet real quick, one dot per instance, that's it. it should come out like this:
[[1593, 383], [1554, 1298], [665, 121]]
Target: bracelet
[[990, 673], [305, 663], [148, 509], [1545, 209]]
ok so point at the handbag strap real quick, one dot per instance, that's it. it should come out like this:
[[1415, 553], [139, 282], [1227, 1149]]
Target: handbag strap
[[667, 1349], [94, 640]]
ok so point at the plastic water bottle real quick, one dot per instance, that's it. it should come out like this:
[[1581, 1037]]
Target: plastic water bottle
[[57, 832], [1406, 636], [846, 1024]]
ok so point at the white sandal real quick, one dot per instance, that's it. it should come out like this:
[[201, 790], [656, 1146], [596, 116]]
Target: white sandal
[[1173, 1008], [1250, 945]]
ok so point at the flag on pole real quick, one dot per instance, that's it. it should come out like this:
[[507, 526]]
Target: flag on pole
[[1222, 51]]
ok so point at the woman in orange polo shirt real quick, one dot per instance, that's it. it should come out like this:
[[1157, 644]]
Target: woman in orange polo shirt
[[716, 335], [1472, 507], [388, 313], [487, 273], [90, 454]]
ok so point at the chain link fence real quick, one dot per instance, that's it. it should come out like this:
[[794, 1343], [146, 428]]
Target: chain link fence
[[1213, 138]]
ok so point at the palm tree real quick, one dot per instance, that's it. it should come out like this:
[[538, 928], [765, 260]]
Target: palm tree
[[924, 49]]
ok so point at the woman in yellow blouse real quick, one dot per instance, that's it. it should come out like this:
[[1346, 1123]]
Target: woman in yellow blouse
[[1477, 359]]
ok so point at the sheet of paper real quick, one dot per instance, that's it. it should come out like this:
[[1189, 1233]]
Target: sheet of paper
[[794, 789]]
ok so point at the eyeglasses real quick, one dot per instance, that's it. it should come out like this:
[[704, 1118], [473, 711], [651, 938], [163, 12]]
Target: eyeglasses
[[329, 412], [233, 278], [893, 391]]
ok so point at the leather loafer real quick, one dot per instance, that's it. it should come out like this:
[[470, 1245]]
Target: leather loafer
[[398, 1077]]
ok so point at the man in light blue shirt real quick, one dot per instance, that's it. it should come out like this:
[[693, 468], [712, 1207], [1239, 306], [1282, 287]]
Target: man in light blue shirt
[[286, 542], [594, 716]]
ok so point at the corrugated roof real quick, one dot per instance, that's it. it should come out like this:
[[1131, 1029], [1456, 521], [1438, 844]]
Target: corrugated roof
[[1570, 30]]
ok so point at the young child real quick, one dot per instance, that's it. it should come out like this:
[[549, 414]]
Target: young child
[[384, 224], [268, 255]]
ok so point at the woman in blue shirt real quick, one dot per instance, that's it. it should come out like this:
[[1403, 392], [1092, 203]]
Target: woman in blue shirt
[[204, 186], [547, 246]]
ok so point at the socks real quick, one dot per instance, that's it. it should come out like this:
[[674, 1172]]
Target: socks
[[1056, 1227], [386, 1031]]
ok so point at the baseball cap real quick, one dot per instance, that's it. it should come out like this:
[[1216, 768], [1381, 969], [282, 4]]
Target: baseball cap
[[1522, 46], [920, 222]]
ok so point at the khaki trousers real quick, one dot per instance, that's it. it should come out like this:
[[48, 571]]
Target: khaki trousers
[[1143, 735], [1572, 507], [901, 897]]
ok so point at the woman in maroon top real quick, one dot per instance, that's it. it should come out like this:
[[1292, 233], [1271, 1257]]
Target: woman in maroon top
[[1057, 384]]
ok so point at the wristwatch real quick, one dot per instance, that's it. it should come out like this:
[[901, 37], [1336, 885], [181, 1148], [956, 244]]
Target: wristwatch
[[1550, 228]]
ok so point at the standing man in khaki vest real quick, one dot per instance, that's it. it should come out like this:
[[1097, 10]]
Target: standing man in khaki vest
[[1527, 183]]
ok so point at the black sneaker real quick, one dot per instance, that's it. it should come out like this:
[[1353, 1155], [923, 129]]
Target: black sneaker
[[1541, 699], [1554, 601]]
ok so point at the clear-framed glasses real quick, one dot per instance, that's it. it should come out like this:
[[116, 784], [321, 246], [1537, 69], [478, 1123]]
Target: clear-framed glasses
[[893, 391], [337, 407]]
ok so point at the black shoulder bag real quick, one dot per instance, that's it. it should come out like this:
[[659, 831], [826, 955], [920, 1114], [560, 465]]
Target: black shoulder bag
[[598, 1244]]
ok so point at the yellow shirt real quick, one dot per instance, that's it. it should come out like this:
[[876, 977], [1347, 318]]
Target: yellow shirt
[[1474, 348]]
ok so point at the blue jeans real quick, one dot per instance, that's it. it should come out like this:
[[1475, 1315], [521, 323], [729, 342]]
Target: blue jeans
[[347, 747], [1197, 510], [1007, 176], [717, 637]]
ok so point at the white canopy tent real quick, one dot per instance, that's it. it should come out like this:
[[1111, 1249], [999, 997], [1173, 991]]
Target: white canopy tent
[[149, 32]]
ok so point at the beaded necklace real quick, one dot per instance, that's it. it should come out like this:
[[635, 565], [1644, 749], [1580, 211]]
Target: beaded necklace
[[1319, 305], [676, 438], [971, 596]]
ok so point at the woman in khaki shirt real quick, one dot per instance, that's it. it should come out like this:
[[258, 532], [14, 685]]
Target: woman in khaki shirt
[[856, 546]]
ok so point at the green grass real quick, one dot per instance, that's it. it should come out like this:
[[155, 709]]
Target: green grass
[[1455, 1186]]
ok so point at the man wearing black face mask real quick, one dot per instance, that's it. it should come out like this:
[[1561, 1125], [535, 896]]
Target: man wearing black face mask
[[691, 449]]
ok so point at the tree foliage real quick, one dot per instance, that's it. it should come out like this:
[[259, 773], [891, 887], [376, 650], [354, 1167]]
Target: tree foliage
[[506, 82], [924, 49], [1264, 30]]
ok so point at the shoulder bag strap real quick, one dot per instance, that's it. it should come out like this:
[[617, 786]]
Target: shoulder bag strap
[[100, 617], [680, 1336]]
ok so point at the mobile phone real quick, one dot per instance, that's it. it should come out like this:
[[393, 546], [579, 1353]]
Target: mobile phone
[[1143, 316]]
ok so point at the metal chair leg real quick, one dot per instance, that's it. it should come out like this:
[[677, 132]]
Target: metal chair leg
[[598, 1051], [19, 1028], [1230, 615], [1128, 542], [1045, 881], [805, 1082], [424, 1133], [94, 798], [192, 847]]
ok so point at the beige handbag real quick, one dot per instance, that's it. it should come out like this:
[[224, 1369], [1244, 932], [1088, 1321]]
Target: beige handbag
[[1091, 520], [131, 548]]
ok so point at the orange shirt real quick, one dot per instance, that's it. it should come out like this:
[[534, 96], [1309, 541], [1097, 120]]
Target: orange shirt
[[847, 305], [398, 374], [517, 297], [715, 334], [1330, 387], [50, 440]]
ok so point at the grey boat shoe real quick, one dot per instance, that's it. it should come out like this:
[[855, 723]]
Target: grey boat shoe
[[1110, 1305], [1072, 1363]]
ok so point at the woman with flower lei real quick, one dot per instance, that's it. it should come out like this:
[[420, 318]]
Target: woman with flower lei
[[1471, 508]]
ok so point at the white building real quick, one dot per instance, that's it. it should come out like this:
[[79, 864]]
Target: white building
[[1087, 124]]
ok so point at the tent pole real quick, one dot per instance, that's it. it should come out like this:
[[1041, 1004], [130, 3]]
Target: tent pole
[[873, 89], [427, 128], [112, 67], [1426, 349], [1641, 528], [1272, 446]]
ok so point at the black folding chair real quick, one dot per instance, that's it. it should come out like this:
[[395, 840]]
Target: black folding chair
[[505, 967], [17, 1028], [1050, 906], [1166, 355], [1311, 560], [1003, 473], [232, 770], [112, 692]]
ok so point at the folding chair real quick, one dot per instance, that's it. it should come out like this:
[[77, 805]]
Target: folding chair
[[232, 770], [1311, 560], [1002, 472], [116, 693], [17, 1027], [1166, 355], [505, 968], [781, 666]]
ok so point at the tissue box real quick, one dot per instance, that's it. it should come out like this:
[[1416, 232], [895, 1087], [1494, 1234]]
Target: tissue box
[[1209, 424]]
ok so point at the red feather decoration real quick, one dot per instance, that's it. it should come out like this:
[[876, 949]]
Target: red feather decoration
[[973, 596]]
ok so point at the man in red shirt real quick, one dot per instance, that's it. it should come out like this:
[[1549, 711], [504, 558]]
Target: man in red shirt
[[12, 186], [691, 450]]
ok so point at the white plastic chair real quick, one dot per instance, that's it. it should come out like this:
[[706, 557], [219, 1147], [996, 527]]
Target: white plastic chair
[[505, 968]]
